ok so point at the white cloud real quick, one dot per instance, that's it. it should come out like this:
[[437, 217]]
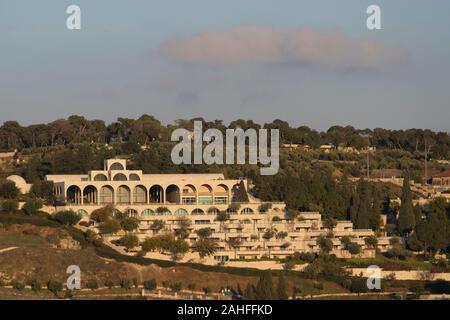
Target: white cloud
[[268, 45]]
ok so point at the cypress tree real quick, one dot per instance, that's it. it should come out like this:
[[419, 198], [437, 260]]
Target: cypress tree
[[264, 289], [281, 288], [249, 293], [406, 220], [241, 193]]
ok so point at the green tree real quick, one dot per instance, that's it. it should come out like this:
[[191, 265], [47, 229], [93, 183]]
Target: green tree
[[205, 247], [9, 205], [150, 284], [241, 193], [434, 231], [204, 233], [249, 293], [32, 206], [102, 214], [325, 244], [129, 224], [111, 226], [54, 286], [8, 190], [281, 288], [406, 219], [67, 217], [129, 241], [264, 288]]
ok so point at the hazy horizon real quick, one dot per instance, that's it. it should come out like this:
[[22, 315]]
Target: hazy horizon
[[307, 62]]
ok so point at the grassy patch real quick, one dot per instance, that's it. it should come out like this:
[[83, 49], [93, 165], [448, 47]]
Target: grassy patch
[[388, 263], [21, 241]]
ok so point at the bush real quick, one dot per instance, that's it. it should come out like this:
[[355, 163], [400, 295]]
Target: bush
[[129, 224], [35, 285], [67, 217], [359, 285], [111, 226], [109, 284], [354, 248], [32, 206], [8, 190], [176, 286], [150, 284], [17, 285], [54, 286], [125, 283], [398, 252], [129, 241], [10, 205], [92, 284], [102, 214]]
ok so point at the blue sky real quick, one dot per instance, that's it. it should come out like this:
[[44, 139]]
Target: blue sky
[[118, 65]]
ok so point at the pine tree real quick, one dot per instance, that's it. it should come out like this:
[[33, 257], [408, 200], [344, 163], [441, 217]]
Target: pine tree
[[249, 293], [406, 220], [281, 288], [264, 289]]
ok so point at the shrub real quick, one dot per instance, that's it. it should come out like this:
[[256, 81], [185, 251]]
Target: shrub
[[32, 206], [35, 285], [398, 252], [111, 226], [92, 284], [17, 285], [67, 217], [10, 205], [125, 283], [109, 284], [8, 190], [102, 214], [129, 241], [371, 241], [204, 232], [354, 248], [325, 244], [129, 224], [150, 284], [54, 286], [85, 224], [359, 285], [176, 286]]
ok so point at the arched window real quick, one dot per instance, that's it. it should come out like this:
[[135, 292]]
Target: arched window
[[247, 211], [140, 195], [123, 195], [181, 212], [100, 177], [134, 177], [120, 177], [173, 194], [205, 194], [197, 212], [74, 195], [148, 213], [213, 210], [90, 195], [131, 213], [116, 166], [221, 194], [156, 194], [106, 195]]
